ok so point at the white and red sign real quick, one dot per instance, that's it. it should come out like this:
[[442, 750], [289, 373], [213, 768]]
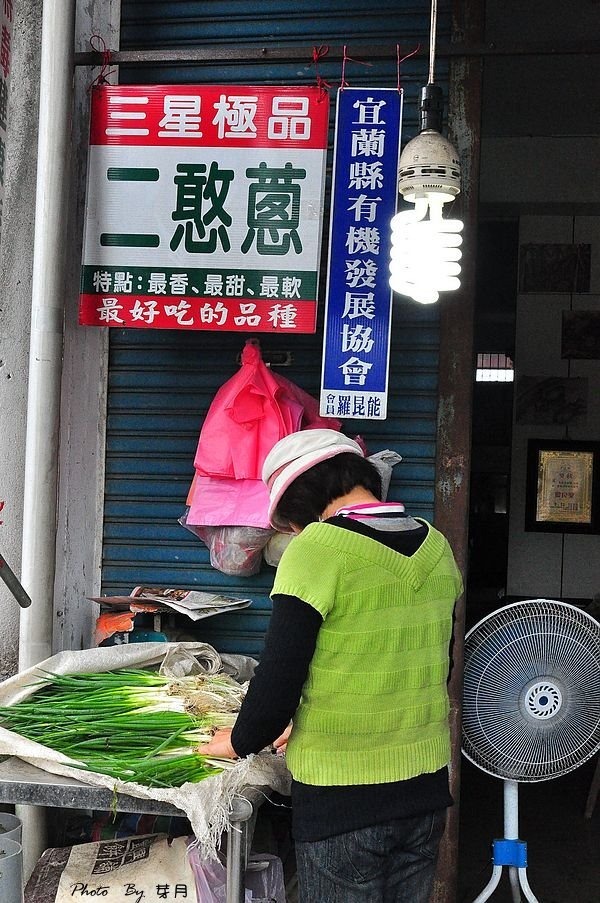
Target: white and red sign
[[6, 36], [204, 207]]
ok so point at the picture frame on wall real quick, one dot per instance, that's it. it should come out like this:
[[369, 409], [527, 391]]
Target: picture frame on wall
[[580, 335], [563, 486]]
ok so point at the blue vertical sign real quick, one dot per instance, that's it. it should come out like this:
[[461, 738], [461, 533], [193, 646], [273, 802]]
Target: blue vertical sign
[[358, 312]]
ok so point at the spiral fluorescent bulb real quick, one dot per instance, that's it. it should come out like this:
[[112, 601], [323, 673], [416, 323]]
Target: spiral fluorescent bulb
[[425, 253], [425, 250]]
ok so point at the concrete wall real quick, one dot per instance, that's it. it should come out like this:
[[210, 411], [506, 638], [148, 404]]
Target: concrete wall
[[84, 369], [542, 564], [540, 144], [16, 253], [539, 163]]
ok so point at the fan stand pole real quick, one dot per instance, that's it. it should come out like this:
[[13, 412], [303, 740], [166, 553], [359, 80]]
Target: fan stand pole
[[510, 852]]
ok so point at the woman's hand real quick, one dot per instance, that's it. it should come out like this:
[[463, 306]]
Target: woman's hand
[[280, 745], [220, 746]]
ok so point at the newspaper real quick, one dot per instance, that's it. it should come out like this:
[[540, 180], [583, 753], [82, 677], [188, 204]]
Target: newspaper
[[192, 603]]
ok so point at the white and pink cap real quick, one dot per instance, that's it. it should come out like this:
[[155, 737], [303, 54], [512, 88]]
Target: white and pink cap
[[297, 453]]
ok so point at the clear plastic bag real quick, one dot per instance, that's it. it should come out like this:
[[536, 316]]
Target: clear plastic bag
[[240, 667], [385, 461], [276, 546], [180, 662], [263, 881], [264, 877], [236, 551], [210, 877]]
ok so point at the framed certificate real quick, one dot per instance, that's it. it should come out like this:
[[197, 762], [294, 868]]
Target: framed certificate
[[562, 486]]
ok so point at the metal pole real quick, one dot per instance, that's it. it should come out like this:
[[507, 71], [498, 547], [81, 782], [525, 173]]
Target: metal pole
[[238, 836], [46, 341], [511, 831], [511, 810], [45, 356], [236, 841], [13, 584], [237, 53]]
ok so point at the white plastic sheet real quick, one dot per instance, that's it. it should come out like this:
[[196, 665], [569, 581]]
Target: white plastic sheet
[[208, 804]]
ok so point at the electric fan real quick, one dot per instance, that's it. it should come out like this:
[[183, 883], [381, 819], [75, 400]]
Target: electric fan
[[531, 709]]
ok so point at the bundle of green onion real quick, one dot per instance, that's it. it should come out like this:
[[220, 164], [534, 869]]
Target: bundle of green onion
[[131, 724]]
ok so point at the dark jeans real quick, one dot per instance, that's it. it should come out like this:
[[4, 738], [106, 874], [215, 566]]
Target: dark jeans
[[389, 863]]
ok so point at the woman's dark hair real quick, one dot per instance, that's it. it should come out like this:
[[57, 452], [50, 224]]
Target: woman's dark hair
[[306, 498]]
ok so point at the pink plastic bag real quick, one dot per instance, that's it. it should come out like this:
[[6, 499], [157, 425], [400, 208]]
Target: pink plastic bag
[[311, 419], [244, 422], [217, 501], [250, 413]]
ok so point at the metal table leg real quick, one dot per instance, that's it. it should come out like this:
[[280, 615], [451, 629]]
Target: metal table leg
[[237, 850], [593, 792], [21, 782]]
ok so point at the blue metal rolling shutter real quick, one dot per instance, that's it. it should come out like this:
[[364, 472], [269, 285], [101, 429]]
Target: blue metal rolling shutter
[[162, 382]]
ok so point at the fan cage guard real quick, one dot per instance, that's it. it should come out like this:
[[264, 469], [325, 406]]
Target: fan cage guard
[[531, 700]]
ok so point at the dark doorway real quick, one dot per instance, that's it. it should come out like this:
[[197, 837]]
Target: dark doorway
[[494, 343]]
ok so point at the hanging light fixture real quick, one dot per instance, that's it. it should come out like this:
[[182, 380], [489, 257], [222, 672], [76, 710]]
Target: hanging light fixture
[[425, 249]]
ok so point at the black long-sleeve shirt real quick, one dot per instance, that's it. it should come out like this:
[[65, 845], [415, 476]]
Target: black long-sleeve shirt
[[273, 697]]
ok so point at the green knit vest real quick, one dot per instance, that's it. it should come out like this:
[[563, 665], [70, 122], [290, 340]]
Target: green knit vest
[[374, 706]]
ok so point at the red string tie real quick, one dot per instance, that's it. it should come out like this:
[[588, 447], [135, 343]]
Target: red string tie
[[318, 54], [98, 44], [349, 59], [399, 61]]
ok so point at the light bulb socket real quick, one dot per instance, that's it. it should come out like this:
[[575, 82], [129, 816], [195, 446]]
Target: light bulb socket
[[431, 108]]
